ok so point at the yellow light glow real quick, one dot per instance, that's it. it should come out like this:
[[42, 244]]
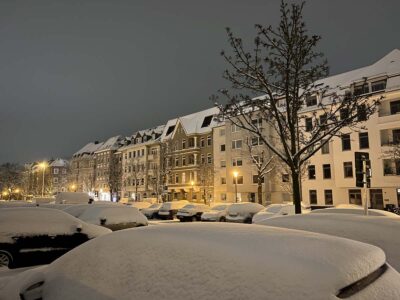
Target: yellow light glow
[[73, 186], [235, 174], [192, 183], [5, 193], [43, 165], [16, 191]]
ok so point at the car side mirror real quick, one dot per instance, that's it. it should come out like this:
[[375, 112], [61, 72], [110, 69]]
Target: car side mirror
[[33, 292], [78, 228], [103, 221]]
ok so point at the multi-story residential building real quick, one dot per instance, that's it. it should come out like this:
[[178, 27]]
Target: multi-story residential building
[[58, 173], [235, 153], [107, 181], [189, 154], [141, 165], [330, 175], [82, 175]]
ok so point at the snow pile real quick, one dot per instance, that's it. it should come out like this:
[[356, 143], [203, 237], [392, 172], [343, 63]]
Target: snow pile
[[26, 221], [109, 214], [277, 210], [11, 204], [203, 261], [379, 231], [357, 211], [244, 208]]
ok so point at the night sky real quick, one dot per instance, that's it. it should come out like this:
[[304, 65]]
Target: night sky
[[72, 72]]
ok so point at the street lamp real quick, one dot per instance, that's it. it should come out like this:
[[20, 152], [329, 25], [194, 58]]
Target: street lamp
[[73, 187], [43, 165], [5, 193], [192, 189], [235, 175]]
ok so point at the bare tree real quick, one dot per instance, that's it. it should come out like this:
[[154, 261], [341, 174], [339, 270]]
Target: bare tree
[[166, 165], [136, 173], [114, 174], [10, 177], [261, 160], [276, 81]]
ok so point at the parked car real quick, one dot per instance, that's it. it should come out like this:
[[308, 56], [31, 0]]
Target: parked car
[[112, 216], [278, 210], [224, 261], [375, 230], [243, 212], [140, 204], [152, 211], [192, 212], [34, 235], [217, 213], [358, 210], [73, 198], [168, 210]]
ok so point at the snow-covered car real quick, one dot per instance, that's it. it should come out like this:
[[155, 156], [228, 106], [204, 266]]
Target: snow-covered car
[[73, 198], [140, 204], [217, 213], [34, 235], [152, 211], [358, 210], [277, 210], [168, 210], [376, 230], [243, 212], [192, 212], [112, 216], [224, 261]]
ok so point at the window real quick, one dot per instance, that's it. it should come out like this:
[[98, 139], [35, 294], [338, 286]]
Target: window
[[255, 179], [355, 197], [202, 142], [64, 171], [311, 100], [183, 177], [130, 154], [202, 159], [326, 170], [55, 171], [55, 180], [395, 107], [361, 89], [170, 129], [176, 161], [328, 197], [209, 141], [183, 144], [346, 143], [325, 147], [309, 124], [223, 163], [142, 152], [239, 179], [344, 114], [223, 197], [363, 140], [361, 113], [191, 142], [396, 136], [153, 151], [207, 121], [237, 162], [222, 132], [323, 119], [378, 85], [237, 144], [209, 158], [257, 122], [191, 159], [235, 128], [348, 169], [311, 172], [176, 178], [223, 180], [285, 177], [222, 148], [183, 160], [313, 196], [255, 141]]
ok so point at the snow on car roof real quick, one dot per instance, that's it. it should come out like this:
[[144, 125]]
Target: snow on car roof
[[355, 210], [378, 231], [25, 221], [231, 262], [245, 207]]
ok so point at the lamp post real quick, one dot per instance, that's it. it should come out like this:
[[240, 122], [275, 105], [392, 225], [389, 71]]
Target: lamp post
[[43, 165], [235, 175], [191, 190]]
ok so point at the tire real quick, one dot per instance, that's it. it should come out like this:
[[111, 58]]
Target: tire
[[194, 218], [5, 259], [222, 219]]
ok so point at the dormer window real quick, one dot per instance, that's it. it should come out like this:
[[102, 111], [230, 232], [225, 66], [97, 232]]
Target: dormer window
[[361, 89], [378, 85], [207, 121], [311, 100], [170, 129]]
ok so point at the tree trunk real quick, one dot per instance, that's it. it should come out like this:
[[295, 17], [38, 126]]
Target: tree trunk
[[296, 191], [259, 191]]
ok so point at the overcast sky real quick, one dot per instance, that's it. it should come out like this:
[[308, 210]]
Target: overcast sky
[[72, 72]]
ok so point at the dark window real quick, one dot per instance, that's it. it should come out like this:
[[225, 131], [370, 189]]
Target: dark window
[[239, 180], [396, 136], [257, 122], [325, 147], [397, 165], [344, 114], [191, 142], [223, 180], [348, 169], [322, 119], [326, 171], [285, 177], [255, 179], [309, 124], [394, 107], [313, 197], [378, 85], [170, 129], [311, 100], [311, 172], [355, 197], [207, 121], [363, 140], [346, 143], [361, 89], [362, 113], [222, 148], [328, 197]]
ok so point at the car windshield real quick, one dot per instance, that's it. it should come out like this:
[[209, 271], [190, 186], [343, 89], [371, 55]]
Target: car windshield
[[155, 205], [219, 207], [273, 209], [189, 206]]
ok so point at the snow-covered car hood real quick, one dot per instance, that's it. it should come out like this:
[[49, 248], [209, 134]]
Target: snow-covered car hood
[[231, 262], [213, 214], [262, 215]]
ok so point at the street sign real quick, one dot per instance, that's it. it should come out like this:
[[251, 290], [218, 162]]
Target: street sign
[[359, 158]]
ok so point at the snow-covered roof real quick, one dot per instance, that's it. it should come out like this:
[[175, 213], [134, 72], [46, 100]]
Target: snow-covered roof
[[59, 162], [89, 148], [199, 122], [113, 143]]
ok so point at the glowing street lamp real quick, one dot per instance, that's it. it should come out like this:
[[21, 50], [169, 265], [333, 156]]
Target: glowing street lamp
[[192, 189], [235, 175], [73, 187], [43, 165]]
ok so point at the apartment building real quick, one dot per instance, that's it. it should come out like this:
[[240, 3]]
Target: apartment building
[[83, 165], [107, 164], [330, 175], [236, 152], [141, 165], [188, 141]]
